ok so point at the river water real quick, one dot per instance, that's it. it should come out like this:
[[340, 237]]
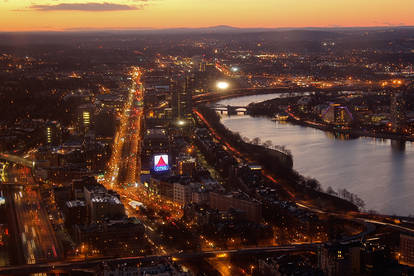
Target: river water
[[381, 174]]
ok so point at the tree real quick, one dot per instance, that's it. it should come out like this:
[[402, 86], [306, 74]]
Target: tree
[[313, 184], [256, 141], [359, 202], [268, 144], [331, 191]]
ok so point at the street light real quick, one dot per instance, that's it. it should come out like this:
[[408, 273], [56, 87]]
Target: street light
[[222, 85], [181, 122]]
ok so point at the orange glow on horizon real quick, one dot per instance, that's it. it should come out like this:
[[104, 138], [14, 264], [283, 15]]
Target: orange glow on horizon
[[30, 15]]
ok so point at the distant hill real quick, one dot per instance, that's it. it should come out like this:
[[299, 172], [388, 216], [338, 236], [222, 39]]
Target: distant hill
[[285, 38]]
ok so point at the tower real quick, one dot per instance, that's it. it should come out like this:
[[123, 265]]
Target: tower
[[181, 98], [397, 110]]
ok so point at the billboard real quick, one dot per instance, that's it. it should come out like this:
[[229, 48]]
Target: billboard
[[161, 163]]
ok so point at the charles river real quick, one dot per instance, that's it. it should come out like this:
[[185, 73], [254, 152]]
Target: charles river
[[381, 175]]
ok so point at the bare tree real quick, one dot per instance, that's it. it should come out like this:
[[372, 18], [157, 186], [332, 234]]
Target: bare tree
[[256, 141], [268, 144]]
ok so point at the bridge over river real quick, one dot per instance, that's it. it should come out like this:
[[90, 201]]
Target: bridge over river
[[229, 109]]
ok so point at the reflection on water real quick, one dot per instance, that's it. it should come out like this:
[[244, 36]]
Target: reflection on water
[[245, 100], [378, 170], [339, 135], [398, 145]]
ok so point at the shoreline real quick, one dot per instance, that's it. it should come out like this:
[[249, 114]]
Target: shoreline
[[353, 132], [289, 180], [363, 211], [254, 111]]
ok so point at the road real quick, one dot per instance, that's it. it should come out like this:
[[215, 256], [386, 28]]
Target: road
[[125, 164], [126, 146], [17, 159], [66, 266], [31, 225], [353, 216], [38, 239]]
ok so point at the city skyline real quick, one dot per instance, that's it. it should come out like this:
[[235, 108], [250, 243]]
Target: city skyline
[[69, 15], [207, 137]]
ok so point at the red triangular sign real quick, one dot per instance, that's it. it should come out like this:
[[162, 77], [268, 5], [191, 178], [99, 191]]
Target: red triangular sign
[[161, 163]]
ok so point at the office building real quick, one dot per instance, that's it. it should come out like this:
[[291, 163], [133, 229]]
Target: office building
[[238, 201], [85, 118], [75, 213], [397, 110], [154, 142], [337, 114], [186, 166], [407, 249], [53, 133], [181, 97], [342, 259], [102, 205]]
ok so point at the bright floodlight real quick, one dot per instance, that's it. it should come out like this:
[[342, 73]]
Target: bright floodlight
[[223, 85], [181, 123], [235, 69]]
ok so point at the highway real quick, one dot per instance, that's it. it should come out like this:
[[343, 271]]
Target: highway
[[17, 160], [37, 239], [31, 225]]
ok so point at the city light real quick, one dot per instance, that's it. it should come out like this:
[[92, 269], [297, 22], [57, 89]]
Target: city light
[[223, 85], [148, 171], [161, 163]]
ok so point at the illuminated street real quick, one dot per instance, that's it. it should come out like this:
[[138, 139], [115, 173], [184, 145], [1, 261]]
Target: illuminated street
[[125, 149], [247, 149], [32, 224]]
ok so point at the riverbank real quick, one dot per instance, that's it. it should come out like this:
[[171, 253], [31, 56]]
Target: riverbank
[[267, 109], [299, 188], [352, 133], [380, 173]]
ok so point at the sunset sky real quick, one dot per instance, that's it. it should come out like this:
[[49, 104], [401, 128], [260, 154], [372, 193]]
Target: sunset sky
[[28, 15]]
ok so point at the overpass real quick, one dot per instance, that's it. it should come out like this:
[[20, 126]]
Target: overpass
[[177, 257], [18, 160], [85, 264]]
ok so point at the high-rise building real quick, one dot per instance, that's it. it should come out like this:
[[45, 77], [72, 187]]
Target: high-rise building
[[53, 133], [181, 97], [337, 114], [199, 63], [85, 118], [397, 110]]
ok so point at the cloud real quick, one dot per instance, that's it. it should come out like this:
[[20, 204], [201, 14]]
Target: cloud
[[90, 6]]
